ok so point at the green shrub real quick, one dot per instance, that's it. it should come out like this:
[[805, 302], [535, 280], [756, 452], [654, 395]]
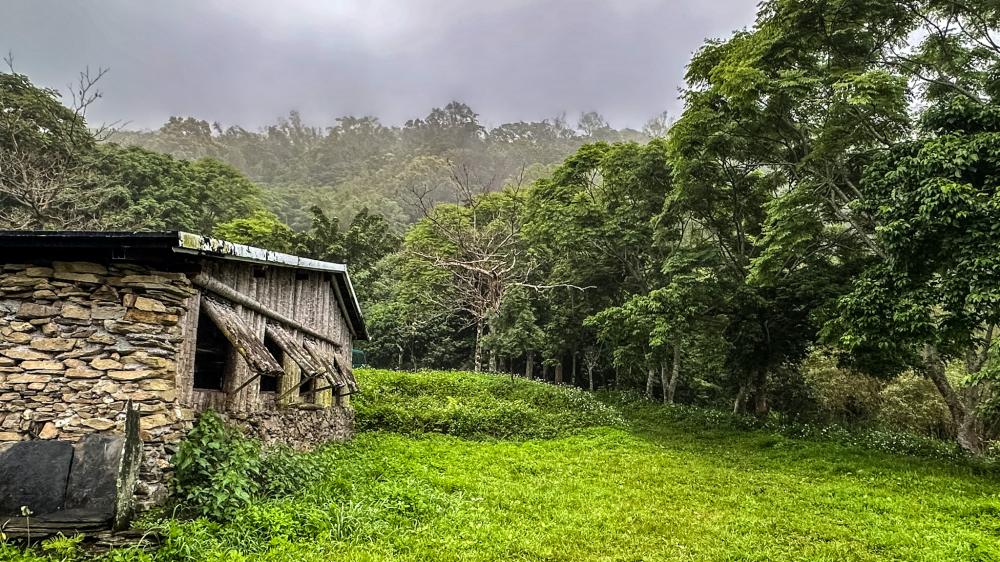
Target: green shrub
[[912, 403], [842, 396], [649, 414], [475, 406], [216, 469]]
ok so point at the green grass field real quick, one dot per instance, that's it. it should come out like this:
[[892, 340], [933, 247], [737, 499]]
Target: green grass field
[[552, 474]]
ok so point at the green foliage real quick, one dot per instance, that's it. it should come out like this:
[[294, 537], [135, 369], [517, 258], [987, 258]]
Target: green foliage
[[359, 163], [216, 470], [514, 330], [386, 496], [911, 403], [262, 229], [62, 547], [48, 161], [933, 201], [895, 441], [475, 406], [844, 397], [832, 178]]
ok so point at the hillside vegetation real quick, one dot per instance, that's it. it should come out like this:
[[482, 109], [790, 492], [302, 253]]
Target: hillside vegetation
[[813, 236], [451, 467]]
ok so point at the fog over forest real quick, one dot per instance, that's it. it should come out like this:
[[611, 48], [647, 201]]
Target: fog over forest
[[512, 60]]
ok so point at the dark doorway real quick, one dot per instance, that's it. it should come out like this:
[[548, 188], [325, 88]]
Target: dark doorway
[[211, 356], [267, 382]]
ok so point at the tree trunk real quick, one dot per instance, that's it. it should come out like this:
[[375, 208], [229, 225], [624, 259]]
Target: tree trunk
[[477, 361], [968, 426], [573, 372], [399, 357], [740, 404], [529, 366], [675, 375], [590, 377], [663, 380], [760, 404], [559, 372], [618, 378], [650, 381], [493, 361], [545, 372]]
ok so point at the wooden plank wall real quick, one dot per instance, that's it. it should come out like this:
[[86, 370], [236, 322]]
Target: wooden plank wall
[[185, 358], [308, 297]]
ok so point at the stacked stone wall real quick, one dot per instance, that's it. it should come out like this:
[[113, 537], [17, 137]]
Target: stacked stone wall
[[300, 427], [77, 341]]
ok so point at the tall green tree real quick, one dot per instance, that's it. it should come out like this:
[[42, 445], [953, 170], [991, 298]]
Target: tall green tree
[[934, 297]]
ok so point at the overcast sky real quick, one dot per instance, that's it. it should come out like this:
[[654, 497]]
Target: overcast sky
[[249, 61]]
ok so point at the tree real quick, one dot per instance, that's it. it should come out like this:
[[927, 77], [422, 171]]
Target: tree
[[48, 156], [595, 224], [261, 229], [470, 253], [187, 138], [934, 297], [659, 125], [594, 126], [515, 330]]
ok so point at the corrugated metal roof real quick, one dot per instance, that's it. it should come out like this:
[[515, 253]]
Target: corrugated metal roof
[[122, 243]]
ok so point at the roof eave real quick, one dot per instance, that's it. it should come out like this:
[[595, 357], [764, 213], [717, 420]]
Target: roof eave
[[198, 244]]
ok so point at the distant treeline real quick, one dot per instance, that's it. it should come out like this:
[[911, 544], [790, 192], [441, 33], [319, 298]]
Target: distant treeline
[[359, 163]]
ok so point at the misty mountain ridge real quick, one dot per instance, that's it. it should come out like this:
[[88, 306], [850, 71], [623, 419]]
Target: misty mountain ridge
[[359, 162]]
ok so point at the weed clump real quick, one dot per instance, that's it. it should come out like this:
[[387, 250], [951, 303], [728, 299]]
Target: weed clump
[[217, 470]]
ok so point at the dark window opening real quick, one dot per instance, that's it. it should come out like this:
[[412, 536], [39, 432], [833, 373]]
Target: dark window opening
[[211, 356], [267, 382], [306, 390], [301, 276], [259, 273]]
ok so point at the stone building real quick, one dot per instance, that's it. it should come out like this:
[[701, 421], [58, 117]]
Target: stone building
[[168, 324]]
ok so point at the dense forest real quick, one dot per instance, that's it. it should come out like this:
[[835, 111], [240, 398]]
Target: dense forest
[[815, 236]]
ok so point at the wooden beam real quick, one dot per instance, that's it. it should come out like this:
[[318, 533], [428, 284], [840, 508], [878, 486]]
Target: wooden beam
[[317, 355], [332, 364], [347, 375], [296, 387], [257, 356], [208, 283], [256, 375], [293, 349]]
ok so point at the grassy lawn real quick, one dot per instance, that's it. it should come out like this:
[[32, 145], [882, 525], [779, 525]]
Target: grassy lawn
[[611, 495], [616, 484]]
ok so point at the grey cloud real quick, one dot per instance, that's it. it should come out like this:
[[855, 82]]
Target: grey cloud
[[249, 62]]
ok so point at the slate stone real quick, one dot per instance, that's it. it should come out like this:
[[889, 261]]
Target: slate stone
[[128, 473], [92, 478], [34, 474]]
